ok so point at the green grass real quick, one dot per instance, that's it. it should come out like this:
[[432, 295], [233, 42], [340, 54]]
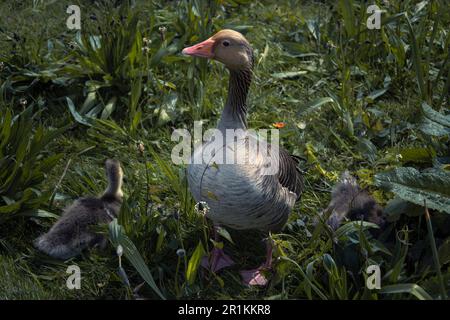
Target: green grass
[[350, 98]]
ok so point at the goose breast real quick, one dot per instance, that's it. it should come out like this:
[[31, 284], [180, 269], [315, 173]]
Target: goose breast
[[246, 194]]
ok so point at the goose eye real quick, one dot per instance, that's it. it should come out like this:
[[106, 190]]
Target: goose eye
[[226, 43]]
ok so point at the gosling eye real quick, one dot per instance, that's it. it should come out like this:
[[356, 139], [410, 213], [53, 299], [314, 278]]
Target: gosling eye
[[226, 43]]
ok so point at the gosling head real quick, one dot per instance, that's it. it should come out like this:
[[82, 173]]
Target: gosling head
[[227, 46]]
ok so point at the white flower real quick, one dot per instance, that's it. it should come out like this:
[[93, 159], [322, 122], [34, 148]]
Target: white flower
[[73, 45], [202, 207], [181, 253], [141, 147], [162, 31], [119, 250], [301, 125]]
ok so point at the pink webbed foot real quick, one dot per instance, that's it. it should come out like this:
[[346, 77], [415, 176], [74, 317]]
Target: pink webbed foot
[[218, 260], [255, 277], [258, 277]]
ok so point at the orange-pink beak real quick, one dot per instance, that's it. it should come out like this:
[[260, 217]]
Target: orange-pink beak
[[203, 49]]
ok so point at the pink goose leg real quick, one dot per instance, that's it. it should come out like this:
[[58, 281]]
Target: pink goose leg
[[256, 277], [218, 259]]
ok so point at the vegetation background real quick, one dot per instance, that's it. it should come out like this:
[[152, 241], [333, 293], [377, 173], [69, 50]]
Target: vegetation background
[[374, 102]]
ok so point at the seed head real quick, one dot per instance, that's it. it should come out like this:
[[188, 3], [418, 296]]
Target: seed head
[[181, 253]]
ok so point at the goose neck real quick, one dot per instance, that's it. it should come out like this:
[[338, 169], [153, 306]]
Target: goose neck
[[234, 115]]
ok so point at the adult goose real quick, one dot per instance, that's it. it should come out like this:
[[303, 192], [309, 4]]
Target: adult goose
[[256, 191]]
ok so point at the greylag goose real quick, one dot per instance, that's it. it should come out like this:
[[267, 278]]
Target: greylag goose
[[70, 234], [349, 201], [254, 192]]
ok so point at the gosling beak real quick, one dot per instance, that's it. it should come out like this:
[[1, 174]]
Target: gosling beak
[[203, 49]]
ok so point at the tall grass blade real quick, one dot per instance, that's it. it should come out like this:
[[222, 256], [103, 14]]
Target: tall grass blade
[[410, 288], [118, 237], [432, 241]]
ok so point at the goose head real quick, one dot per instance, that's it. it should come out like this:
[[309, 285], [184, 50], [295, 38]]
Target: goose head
[[226, 46]]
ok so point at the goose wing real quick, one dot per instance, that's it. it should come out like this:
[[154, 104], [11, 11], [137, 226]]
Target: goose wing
[[289, 174]]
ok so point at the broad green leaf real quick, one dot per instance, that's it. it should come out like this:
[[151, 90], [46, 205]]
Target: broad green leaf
[[434, 123], [298, 50], [367, 148], [109, 108], [194, 263], [417, 155], [10, 208], [353, 226], [376, 94], [289, 74], [40, 213], [329, 264], [78, 118], [432, 186], [224, 233], [89, 102], [397, 206], [312, 106]]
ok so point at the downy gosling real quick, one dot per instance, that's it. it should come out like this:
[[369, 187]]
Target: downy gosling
[[71, 234], [349, 201]]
